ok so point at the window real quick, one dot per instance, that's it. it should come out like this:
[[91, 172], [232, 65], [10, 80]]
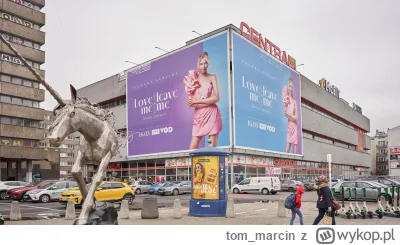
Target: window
[[245, 182], [27, 83], [17, 101], [16, 80], [5, 120], [5, 78], [28, 43], [27, 143], [36, 46], [349, 184], [16, 121], [72, 184], [34, 124], [16, 142], [5, 99], [106, 187], [36, 104], [35, 84], [27, 103], [117, 186], [363, 185], [61, 185]]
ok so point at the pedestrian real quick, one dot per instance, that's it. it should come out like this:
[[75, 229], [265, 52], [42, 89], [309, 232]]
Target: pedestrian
[[296, 209], [324, 202]]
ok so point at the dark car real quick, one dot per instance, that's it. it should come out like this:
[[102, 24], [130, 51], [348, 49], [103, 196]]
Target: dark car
[[18, 193], [309, 184]]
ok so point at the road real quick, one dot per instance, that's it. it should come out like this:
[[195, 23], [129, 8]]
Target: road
[[29, 209]]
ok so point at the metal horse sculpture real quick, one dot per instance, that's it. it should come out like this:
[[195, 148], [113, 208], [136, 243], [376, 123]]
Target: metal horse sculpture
[[100, 141]]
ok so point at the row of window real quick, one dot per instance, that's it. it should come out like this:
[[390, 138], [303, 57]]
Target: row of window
[[19, 101], [382, 143], [17, 61], [47, 117], [63, 154], [382, 167], [328, 141], [21, 41], [19, 21], [383, 151], [310, 107], [66, 164], [19, 142], [114, 103], [20, 122], [381, 159], [64, 146], [19, 81], [27, 4]]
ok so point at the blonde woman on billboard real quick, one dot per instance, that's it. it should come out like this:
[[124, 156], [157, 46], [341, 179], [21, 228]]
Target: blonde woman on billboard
[[291, 114], [198, 180], [203, 92]]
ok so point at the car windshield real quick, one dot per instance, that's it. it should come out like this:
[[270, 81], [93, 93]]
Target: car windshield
[[169, 183], [376, 184], [45, 185]]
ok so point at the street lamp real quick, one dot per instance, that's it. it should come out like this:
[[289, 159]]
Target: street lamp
[[300, 65], [130, 62], [197, 33], [162, 49]]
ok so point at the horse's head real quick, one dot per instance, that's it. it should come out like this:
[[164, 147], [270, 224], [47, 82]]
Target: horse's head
[[66, 120]]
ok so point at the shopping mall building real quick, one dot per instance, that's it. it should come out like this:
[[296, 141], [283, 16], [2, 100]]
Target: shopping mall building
[[328, 125]]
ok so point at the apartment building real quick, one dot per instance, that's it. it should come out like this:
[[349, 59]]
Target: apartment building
[[379, 152], [21, 130]]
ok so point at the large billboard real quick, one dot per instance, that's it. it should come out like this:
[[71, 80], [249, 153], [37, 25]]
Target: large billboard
[[176, 102], [266, 102]]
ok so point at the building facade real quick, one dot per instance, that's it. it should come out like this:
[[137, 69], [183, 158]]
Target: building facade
[[21, 130], [379, 153], [394, 151], [330, 126]]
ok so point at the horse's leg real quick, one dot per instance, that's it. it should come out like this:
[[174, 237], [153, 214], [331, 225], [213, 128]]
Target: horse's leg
[[88, 205], [77, 174]]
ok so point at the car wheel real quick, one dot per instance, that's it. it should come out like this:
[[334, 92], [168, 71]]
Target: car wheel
[[129, 198], [265, 191], [273, 192], [138, 191], [3, 195], [44, 198], [291, 189], [175, 192], [236, 191], [1, 222]]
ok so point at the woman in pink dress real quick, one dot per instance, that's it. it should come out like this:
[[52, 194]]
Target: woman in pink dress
[[203, 92], [291, 114]]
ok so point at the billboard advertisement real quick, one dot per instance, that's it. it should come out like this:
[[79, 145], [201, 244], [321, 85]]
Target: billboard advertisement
[[205, 177], [266, 102], [176, 102]]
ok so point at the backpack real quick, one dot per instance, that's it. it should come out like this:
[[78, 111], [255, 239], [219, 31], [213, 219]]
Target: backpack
[[290, 201]]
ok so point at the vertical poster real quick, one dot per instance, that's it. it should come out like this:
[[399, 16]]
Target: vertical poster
[[205, 175]]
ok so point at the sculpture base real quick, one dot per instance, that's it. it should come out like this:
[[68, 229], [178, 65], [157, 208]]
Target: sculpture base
[[207, 208], [104, 214]]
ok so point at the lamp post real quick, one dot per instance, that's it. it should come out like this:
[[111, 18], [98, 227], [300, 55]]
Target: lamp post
[[197, 33], [162, 49], [131, 62], [299, 65]]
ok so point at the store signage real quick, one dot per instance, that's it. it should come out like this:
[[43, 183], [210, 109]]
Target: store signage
[[357, 108], [285, 163], [16, 20], [256, 37], [330, 88], [11, 59], [12, 39], [23, 3]]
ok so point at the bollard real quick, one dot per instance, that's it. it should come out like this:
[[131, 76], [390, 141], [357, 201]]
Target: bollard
[[149, 208], [70, 212], [177, 214], [230, 209], [124, 212], [282, 211], [15, 213]]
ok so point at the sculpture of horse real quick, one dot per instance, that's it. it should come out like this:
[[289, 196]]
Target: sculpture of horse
[[100, 141]]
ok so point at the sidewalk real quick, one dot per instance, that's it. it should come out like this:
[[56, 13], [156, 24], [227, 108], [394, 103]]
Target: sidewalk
[[246, 214]]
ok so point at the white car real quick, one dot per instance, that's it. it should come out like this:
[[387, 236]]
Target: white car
[[264, 185], [9, 185], [140, 187], [49, 192]]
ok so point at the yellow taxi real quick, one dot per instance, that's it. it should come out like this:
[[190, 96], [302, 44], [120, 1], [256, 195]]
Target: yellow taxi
[[108, 191]]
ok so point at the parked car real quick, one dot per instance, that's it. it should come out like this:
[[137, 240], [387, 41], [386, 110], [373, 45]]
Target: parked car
[[370, 187], [140, 186], [309, 184], [18, 193], [9, 185], [108, 191], [264, 185], [290, 185], [153, 189], [49, 192], [175, 188], [385, 181]]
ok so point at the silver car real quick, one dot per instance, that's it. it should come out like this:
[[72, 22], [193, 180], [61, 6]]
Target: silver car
[[371, 190], [50, 192], [176, 188], [9, 185], [290, 185], [140, 187]]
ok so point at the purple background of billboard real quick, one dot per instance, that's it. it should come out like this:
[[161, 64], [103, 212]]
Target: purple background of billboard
[[296, 84], [181, 120]]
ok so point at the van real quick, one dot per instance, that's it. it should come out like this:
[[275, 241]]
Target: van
[[264, 185]]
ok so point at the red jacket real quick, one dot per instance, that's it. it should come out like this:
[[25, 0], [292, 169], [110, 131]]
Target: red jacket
[[299, 192]]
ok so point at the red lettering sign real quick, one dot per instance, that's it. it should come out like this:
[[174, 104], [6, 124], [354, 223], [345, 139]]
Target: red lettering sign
[[285, 163], [255, 37]]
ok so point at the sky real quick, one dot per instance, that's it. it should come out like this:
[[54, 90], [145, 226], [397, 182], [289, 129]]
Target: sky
[[353, 44]]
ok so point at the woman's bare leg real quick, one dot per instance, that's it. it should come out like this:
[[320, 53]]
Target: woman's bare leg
[[194, 143], [214, 140], [287, 148], [295, 149]]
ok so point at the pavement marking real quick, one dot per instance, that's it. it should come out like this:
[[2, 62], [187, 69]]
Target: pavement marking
[[242, 213], [35, 207], [263, 209]]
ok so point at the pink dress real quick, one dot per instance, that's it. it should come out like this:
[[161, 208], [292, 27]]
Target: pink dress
[[207, 120], [292, 134]]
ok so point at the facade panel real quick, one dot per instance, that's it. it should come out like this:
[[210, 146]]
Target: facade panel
[[22, 31], [22, 91], [18, 70], [21, 112], [21, 132], [23, 11], [104, 90], [27, 52]]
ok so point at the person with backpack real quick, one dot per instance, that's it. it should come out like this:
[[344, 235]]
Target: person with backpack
[[324, 202], [296, 205]]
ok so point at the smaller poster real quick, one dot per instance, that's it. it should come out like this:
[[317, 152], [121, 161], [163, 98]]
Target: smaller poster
[[205, 174], [277, 171]]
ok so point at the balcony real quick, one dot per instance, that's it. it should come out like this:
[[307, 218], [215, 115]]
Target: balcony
[[38, 2], [18, 70], [381, 146], [21, 112], [18, 152], [22, 91], [21, 132], [23, 12], [22, 31], [26, 52]]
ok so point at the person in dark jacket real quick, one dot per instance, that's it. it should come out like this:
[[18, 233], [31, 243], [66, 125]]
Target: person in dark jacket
[[324, 202], [296, 209]]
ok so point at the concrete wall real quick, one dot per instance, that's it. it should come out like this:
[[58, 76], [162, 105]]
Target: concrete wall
[[367, 142], [21, 132], [22, 91], [23, 12], [120, 115], [22, 31], [21, 111], [317, 151], [320, 124], [19, 70], [393, 140], [103, 90], [315, 94], [26, 52], [16, 152], [38, 2]]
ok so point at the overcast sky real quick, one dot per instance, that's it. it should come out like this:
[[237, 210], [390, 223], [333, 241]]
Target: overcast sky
[[353, 44]]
